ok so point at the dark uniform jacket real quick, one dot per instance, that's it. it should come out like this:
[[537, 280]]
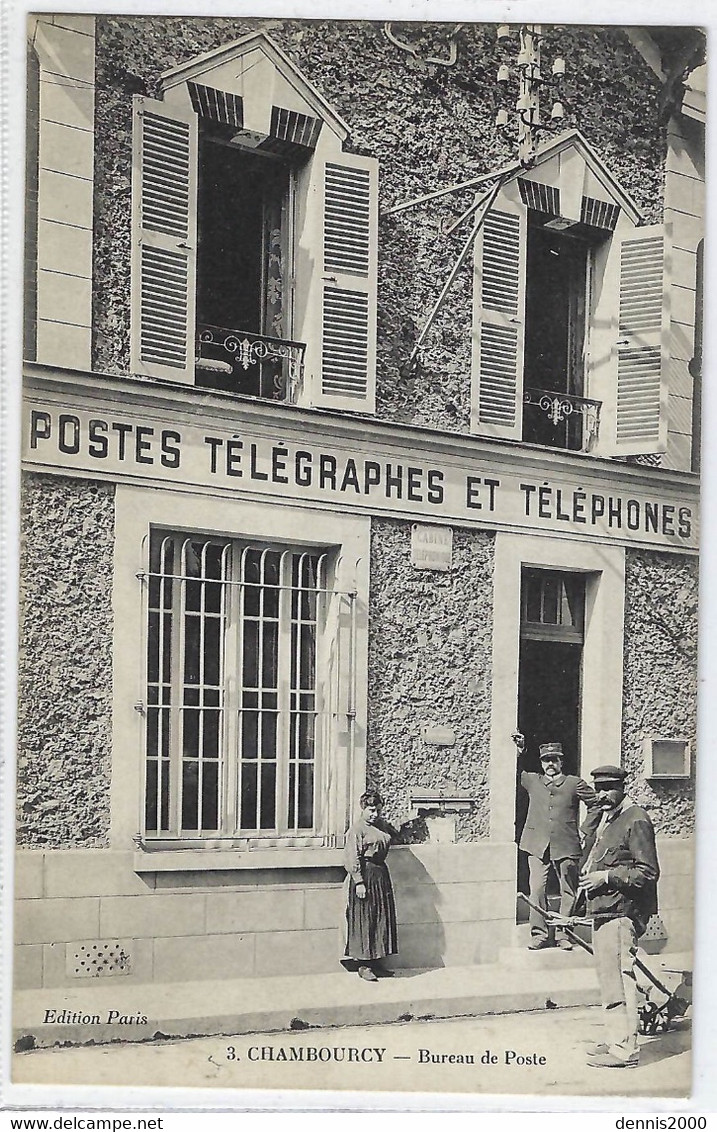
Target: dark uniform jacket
[[552, 821], [626, 850]]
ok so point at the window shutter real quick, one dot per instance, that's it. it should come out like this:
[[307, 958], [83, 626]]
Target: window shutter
[[348, 297], [164, 240], [498, 319], [643, 343]]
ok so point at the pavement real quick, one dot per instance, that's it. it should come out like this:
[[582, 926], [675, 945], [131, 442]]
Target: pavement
[[539, 1054], [100, 1011]]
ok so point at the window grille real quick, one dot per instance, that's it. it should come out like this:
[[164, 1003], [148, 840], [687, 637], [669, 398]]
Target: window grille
[[235, 702]]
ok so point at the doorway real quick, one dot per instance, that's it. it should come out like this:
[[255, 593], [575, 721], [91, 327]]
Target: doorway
[[549, 681]]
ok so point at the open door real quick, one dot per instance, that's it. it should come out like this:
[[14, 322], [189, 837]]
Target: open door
[[549, 680]]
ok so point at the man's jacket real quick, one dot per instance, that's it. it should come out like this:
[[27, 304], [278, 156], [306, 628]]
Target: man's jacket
[[552, 821], [626, 850]]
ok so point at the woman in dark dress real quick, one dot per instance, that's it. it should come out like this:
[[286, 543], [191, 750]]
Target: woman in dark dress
[[371, 932]]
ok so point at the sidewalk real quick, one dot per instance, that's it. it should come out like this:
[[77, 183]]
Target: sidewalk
[[108, 1011]]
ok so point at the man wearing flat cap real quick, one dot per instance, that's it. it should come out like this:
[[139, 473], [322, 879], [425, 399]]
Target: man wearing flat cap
[[550, 836], [619, 878]]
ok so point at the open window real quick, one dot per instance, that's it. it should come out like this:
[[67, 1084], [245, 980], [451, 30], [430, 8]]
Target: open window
[[245, 271], [254, 242], [570, 312]]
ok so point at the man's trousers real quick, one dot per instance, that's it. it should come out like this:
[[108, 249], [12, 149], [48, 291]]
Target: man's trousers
[[567, 873], [615, 947]]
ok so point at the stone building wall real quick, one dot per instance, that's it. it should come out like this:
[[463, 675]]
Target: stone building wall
[[430, 642], [660, 677], [430, 126], [65, 668]]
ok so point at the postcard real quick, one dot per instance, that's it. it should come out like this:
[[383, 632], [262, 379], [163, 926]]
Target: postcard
[[358, 576]]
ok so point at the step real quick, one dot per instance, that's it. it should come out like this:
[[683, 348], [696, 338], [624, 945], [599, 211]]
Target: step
[[285, 1003], [547, 959]]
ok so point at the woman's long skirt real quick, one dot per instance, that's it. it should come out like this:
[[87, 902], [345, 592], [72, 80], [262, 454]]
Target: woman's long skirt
[[371, 923]]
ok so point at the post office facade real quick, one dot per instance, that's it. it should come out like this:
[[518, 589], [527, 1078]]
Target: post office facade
[[280, 541]]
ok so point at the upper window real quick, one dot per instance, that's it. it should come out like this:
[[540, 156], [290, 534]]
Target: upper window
[[254, 243], [245, 272], [571, 320], [557, 264]]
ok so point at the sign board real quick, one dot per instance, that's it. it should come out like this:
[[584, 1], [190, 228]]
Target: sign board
[[431, 547], [474, 489]]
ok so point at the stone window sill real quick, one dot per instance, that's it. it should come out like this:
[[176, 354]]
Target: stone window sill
[[196, 859]]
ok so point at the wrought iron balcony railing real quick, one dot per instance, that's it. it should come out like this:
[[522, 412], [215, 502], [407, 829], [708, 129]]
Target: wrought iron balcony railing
[[240, 362], [560, 420]]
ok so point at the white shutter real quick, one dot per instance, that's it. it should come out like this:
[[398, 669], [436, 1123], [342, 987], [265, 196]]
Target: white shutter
[[348, 297], [643, 343], [164, 240], [498, 319]]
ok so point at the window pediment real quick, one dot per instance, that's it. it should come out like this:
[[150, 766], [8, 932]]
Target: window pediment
[[259, 78], [570, 181]]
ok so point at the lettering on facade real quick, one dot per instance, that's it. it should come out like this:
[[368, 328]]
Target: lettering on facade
[[431, 547], [295, 471]]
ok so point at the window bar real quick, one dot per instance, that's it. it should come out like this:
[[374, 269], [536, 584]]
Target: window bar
[[143, 700], [260, 689], [322, 783], [334, 682], [165, 680], [179, 670], [240, 630], [224, 593], [156, 712], [153, 657], [297, 692], [145, 574], [284, 688], [202, 690], [351, 706]]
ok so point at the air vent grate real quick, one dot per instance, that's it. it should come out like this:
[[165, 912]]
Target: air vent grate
[[97, 959]]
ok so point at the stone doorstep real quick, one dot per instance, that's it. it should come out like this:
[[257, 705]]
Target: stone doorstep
[[243, 1006]]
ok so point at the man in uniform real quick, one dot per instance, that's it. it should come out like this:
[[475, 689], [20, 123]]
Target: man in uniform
[[550, 836], [619, 878]]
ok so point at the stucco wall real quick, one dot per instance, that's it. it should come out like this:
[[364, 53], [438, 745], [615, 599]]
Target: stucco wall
[[660, 677], [430, 640], [429, 126], [65, 673]]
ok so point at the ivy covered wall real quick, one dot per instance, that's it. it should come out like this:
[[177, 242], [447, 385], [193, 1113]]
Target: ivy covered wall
[[430, 126]]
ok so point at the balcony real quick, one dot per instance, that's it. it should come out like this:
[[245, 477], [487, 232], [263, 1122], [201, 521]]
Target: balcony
[[237, 361], [560, 420]]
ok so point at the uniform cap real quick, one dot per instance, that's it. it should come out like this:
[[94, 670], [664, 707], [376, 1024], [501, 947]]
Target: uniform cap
[[609, 773], [548, 750]]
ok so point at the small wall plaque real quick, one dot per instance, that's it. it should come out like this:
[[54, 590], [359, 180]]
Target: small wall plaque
[[431, 547], [439, 736]]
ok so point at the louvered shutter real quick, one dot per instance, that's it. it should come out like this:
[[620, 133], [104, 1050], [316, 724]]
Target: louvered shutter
[[643, 343], [348, 325], [498, 319], [164, 240]]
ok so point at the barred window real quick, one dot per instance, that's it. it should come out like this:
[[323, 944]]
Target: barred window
[[233, 730]]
